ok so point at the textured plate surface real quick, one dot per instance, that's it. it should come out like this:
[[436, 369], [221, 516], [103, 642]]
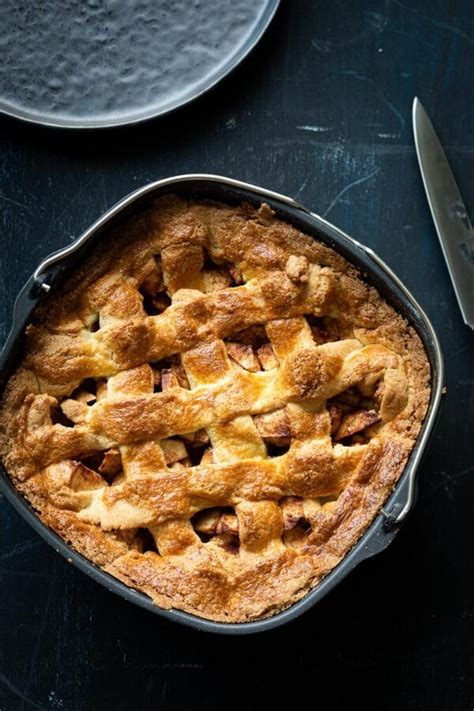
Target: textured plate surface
[[110, 62]]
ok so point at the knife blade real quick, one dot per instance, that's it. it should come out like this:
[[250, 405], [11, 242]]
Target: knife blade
[[449, 213]]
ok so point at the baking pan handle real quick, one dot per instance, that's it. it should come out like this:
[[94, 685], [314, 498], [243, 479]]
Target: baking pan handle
[[396, 513], [39, 278], [38, 285]]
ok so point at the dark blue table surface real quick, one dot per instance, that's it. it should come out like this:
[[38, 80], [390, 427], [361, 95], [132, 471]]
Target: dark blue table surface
[[321, 110]]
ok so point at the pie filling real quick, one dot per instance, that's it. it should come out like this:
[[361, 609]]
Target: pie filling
[[215, 409]]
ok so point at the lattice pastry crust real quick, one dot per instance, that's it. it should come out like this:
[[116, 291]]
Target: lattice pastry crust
[[214, 408]]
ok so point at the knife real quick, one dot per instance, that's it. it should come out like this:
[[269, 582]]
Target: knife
[[449, 213]]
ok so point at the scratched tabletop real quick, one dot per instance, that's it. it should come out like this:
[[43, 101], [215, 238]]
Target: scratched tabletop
[[319, 111]]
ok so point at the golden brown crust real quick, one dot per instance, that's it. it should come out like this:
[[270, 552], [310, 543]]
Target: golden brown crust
[[213, 408]]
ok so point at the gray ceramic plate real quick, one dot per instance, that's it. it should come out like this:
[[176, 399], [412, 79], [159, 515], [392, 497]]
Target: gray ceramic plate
[[98, 63]]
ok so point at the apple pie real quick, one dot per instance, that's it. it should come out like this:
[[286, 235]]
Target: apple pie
[[213, 408]]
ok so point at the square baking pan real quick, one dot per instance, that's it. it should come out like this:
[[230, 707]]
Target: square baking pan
[[52, 271]]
